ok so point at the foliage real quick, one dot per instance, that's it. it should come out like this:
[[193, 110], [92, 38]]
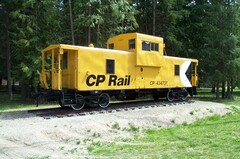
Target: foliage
[[207, 95], [36, 24], [213, 32], [208, 30], [102, 19], [169, 17], [38, 157]]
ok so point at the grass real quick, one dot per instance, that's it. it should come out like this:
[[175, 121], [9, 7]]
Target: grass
[[207, 95], [131, 128], [191, 112], [16, 103], [214, 137], [116, 126], [38, 157]]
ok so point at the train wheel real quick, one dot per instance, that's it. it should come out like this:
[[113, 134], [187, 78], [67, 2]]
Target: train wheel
[[170, 96], [80, 102], [184, 94], [103, 100], [60, 102]]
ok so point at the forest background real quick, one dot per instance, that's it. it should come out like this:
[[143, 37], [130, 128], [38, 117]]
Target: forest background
[[208, 30]]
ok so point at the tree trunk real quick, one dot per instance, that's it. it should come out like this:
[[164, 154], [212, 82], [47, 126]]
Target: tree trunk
[[89, 28], [223, 89], [228, 89], [13, 86], [1, 80], [8, 60], [232, 87], [88, 36], [25, 90], [154, 17], [71, 21], [98, 32], [213, 88], [217, 91]]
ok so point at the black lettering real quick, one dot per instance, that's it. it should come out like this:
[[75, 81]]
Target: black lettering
[[112, 80], [120, 81], [161, 83], [88, 80], [152, 82], [128, 83], [100, 79], [126, 80]]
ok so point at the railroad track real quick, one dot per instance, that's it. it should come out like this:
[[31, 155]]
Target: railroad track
[[114, 107]]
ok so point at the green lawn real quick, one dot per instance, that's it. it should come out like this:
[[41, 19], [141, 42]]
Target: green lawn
[[16, 103], [206, 95], [214, 137]]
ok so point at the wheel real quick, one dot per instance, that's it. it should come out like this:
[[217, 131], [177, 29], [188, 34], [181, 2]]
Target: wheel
[[170, 96], [60, 102], [91, 101], [184, 94], [103, 100], [80, 102]]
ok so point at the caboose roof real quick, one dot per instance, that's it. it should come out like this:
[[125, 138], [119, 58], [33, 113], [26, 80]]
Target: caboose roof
[[136, 35], [65, 46], [76, 47]]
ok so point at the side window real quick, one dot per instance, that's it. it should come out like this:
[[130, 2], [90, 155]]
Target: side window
[[149, 46], [145, 45], [110, 66], [65, 60], [177, 70], [111, 46], [48, 61], [131, 44], [154, 46]]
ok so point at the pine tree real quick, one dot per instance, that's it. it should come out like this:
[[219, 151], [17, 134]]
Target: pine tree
[[32, 26], [213, 28], [6, 43]]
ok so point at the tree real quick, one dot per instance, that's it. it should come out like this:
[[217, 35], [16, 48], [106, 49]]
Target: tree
[[102, 19], [31, 26], [213, 31], [164, 18], [5, 18]]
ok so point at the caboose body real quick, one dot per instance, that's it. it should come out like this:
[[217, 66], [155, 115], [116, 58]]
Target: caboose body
[[133, 64]]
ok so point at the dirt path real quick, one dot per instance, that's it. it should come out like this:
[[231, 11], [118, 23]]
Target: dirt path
[[24, 135]]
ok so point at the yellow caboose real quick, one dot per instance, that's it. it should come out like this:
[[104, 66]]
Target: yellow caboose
[[133, 64]]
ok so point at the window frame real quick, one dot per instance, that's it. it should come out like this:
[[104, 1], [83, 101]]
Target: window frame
[[65, 60], [150, 46], [110, 66], [146, 45], [154, 46], [177, 70], [111, 46], [131, 46]]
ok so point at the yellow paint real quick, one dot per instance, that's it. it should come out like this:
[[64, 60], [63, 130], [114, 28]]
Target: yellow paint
[[71, 65]]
